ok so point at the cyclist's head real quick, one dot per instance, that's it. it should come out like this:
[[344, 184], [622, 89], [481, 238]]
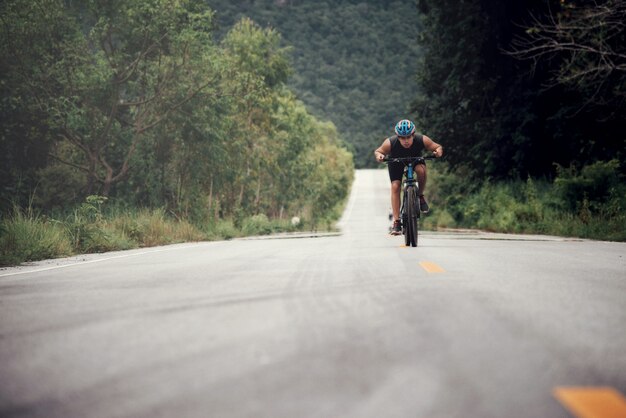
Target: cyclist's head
[[405, 128]]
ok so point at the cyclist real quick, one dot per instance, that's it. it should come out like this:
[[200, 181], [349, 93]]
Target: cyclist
[[405, 143]]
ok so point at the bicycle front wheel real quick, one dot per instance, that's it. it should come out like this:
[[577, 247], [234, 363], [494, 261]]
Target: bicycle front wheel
[[412, 215]]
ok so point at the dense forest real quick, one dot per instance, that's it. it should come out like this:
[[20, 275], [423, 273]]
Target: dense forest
[[355, 61], [138, 102], [512, 88]]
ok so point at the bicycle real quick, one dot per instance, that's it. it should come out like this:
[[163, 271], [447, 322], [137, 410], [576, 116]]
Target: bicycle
[[410, 210]]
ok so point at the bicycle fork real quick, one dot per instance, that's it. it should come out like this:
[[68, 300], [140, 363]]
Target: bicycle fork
[[409, 181]]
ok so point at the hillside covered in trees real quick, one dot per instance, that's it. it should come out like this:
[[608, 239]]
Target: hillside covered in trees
[[355, 61]]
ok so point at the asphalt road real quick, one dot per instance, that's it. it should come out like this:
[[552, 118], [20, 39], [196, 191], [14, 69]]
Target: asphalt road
[[355, 325]]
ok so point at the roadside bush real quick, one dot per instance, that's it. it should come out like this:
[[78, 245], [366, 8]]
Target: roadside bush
[[586, 203], [183, 231], [110, 239], [448, 191], [225, 229], [85, 226], [598, 183], [256, 225], [149, 227], [438, 219], [27, 237]]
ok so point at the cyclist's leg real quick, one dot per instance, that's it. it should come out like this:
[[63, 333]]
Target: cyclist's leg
[[396, 185], [420, 171], [395, 176]]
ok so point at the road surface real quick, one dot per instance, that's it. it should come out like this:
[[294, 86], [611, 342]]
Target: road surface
[[468, 324]]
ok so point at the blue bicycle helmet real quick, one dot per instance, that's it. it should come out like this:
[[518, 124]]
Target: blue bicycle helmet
[[405, 128]]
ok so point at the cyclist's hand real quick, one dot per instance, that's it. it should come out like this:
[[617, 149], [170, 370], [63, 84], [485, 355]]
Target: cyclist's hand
[[380, 157], [438, 152]]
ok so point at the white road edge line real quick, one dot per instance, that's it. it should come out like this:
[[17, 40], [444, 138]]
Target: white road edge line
[[96, 261]]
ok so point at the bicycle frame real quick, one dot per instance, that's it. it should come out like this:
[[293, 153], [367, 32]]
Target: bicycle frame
[[409, 181]]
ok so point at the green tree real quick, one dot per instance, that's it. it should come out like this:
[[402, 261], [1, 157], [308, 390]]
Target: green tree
[[260, 67], [121, 69], [30, 34]]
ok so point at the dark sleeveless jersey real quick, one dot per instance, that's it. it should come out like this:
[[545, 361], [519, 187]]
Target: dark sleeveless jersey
[[415, 150]]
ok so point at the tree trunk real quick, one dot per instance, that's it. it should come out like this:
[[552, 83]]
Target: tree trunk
[[210, 203], [92, 177], [257, 199], [108, 182]]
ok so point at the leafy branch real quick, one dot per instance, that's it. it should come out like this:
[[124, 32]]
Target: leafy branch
[[589, 39]]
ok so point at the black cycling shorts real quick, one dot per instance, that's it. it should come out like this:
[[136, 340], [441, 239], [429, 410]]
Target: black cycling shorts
[[397, 169]]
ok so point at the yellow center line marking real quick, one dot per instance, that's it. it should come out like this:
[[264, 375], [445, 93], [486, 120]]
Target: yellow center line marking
[[592, 402], [431, 267]]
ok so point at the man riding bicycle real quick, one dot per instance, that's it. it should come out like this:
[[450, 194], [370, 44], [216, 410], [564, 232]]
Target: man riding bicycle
[[405, 143]]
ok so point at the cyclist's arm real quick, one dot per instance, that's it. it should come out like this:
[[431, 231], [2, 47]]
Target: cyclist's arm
[[383, 150], [433, 147]]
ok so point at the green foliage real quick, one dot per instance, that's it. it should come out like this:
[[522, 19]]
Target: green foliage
[[150, 227], [572, 205], [57, 186], [331, 173], [257, 225], [25, 137], [87, 228], [258, 52], [27, 237], [600, 183], [109, 73], [225, 229]]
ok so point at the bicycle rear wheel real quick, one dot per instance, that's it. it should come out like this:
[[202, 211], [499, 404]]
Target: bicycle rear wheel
[[412, 215]]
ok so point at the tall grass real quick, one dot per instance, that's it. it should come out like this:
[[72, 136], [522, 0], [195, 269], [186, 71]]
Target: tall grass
[[26, 236], [150, 227], [585, 203], [29, 237]]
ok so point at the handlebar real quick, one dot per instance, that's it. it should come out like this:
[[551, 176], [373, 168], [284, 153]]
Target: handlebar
[[406, 159]]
